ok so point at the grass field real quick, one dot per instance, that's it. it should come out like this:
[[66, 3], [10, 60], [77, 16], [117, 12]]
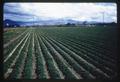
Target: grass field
[[60, 53]]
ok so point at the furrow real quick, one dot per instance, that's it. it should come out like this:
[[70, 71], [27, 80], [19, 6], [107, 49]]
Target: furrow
[[27, 71], [86, 57], [84, 73], [52, 66], [95, 57], [59, 58], [41, 63], [12, 40], [80, 59], [15, 48], [34, 58], [13, 63]]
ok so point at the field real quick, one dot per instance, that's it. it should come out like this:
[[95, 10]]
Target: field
[[60, 53]]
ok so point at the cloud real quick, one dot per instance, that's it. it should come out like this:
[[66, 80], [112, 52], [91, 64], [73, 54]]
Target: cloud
[[76, 11]]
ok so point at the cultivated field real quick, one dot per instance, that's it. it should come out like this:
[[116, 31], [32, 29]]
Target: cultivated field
[[60, 53]]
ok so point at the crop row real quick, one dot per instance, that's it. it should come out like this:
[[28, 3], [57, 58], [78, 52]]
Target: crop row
[[60, 53], [11, 33], [11, 59], [12, 45]]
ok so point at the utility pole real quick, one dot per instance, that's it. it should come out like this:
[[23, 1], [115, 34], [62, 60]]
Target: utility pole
[[33, 20], [103, 17]]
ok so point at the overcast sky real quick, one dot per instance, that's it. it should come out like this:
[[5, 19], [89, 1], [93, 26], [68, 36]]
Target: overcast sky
[[75, 11]]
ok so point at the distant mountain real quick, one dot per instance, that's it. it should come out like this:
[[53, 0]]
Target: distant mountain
[[41, 22], [52, 22], [8, 22]]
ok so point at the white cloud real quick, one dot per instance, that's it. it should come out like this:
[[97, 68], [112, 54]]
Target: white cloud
[[77, 11]]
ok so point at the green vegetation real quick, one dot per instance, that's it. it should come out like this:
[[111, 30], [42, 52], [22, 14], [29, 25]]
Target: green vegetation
[[60, 53]]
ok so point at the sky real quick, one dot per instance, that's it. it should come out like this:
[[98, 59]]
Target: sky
[[51, 11]]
